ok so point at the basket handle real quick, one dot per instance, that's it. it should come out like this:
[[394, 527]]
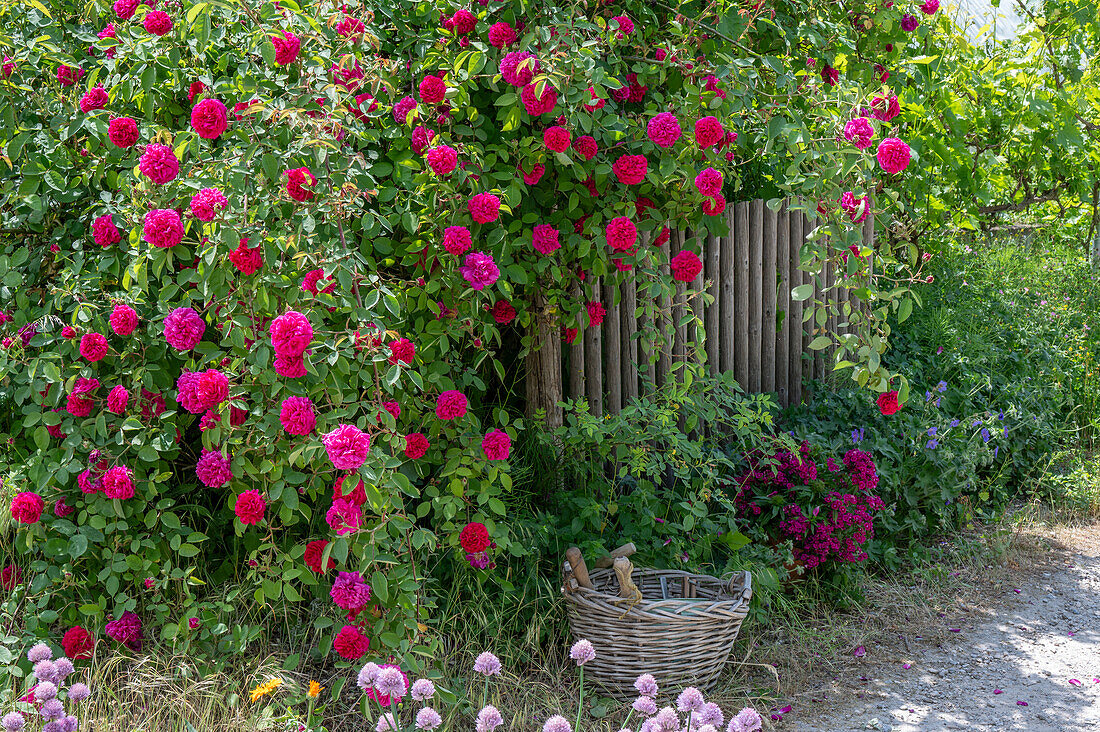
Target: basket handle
[[580, 569], [746, 585]]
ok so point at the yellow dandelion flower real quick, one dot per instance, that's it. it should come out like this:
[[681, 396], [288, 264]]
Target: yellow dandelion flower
[[265, 688], [314, 690]]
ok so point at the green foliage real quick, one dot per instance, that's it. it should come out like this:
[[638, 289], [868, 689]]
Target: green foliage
[[651, 473]]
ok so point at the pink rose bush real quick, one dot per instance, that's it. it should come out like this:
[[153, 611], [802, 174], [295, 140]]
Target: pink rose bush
[[309, 256]]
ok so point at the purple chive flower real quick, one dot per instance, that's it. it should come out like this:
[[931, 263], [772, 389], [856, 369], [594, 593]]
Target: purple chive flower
[[13, 722], [582, 652], [422, 689], [646, 685], [488, 719], [557, 723], [39, 652], [390, 683], [487, 664], [367, 676], [78, 692], [690, 700], [428, 718], [645, 705]]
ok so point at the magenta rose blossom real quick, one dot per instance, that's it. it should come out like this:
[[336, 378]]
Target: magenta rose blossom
[[202, 390], [104, 231], [209, 118], [117, 483], [157, 22], [206, 204], [630, 169], [484, 207], [450, 405], [159, 164], [291, 333], [299, 184], [519, 67], [537, 104], [859, 132], [347, 446], [664, 130], [163, 228], [457, 240], [545, 238], [122, 132], [93, 99], [433, 90], [621, 234], [183, 329], [556, 139], [416, 445], [118, 400], [709, 182], [480, 270], [709, 132], [501, 34], [885, 109], [124, 319], [287, 47], [250, 507], [93, 347], [685, 266], [586, 146], [297, 416], [27, 507], [213, 469], [496, 445], [893, 155], [442, 160]]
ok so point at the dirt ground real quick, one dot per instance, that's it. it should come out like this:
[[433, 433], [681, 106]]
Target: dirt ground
[[1022, 654]]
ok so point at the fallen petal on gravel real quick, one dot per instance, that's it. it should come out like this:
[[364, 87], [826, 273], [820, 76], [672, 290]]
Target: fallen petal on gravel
[[997, 691], [1021, 704], [859, 652]]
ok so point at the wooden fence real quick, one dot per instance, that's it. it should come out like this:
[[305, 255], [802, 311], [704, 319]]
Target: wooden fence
[[752, 327]]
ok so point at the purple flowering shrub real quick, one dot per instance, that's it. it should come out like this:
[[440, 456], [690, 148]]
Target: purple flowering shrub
[[822, 508]]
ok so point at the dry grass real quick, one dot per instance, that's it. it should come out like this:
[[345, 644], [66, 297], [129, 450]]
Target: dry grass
[[168, 694]]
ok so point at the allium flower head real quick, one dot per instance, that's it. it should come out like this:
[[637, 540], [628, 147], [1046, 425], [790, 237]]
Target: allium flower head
[[391, 682], [422, 689], [39, 652], [52, 709], [488, 719], [427, 718], [645, 705], [582, 652], [13, 722], [646, 685], [367, 676], [78, 692], [487, 664], [748, 720], [690, 700], [557, 723], [44, 690]]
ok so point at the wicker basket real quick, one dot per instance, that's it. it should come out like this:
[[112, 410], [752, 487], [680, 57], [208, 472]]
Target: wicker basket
[[683, 640]]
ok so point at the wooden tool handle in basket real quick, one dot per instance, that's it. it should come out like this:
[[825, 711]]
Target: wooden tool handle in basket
[[624, 551], [580, 569]]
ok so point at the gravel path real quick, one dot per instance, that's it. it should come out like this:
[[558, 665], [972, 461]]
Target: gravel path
[[1040, 648]]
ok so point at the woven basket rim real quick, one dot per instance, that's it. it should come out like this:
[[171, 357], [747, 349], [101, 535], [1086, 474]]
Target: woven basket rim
[[737, 591]]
